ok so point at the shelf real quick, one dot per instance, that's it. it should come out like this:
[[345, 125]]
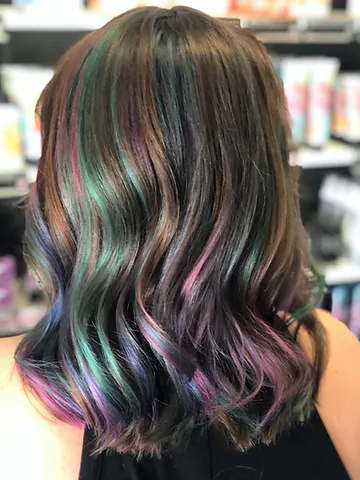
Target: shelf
[[7, 193], [342, 274], [35, 21], [28, 174], [335, 155], [4, 37], [332, 29], [332, 156]]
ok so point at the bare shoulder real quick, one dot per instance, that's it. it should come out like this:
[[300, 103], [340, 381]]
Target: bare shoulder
[[35, 445], [339, 395]]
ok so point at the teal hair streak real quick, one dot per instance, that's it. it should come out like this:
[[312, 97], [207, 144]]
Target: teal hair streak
[[93, 187]]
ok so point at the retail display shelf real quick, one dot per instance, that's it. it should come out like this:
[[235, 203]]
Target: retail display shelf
[[333, 29], [4, 37], [335, 155], [12, 192], [339, 28], [52, 21], [332, 156], [342, 274]]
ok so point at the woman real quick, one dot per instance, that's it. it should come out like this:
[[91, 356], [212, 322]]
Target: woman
[[182, 340]]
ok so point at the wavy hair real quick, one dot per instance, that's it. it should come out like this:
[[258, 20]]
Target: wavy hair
[[164, 224]]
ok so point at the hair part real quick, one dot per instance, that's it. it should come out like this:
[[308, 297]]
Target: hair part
[[165, 226]]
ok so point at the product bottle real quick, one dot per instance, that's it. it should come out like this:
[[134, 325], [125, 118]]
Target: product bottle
[[339, 108], [352, 107], [159, 3], [7, 295], [220, 8], [113, 6], [24, 85], [294, 74], [11, 148], [355, 312], [353, 7], [322, 75], [65, 4], [341, 302]]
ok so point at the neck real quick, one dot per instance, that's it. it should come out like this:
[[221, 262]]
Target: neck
[[7, 350]]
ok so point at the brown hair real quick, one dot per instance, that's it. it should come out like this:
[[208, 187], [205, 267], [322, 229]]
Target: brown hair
[[165, 223]]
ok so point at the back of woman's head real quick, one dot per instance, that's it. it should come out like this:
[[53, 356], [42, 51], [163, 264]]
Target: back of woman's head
[[164, 224]]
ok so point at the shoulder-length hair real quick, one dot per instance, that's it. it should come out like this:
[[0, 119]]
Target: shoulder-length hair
[[164, 224]]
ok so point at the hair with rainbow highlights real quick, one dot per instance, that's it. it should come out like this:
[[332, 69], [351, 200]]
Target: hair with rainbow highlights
[[164, 224]]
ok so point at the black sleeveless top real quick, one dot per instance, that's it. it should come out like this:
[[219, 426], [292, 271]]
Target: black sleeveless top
[[305, 453]]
